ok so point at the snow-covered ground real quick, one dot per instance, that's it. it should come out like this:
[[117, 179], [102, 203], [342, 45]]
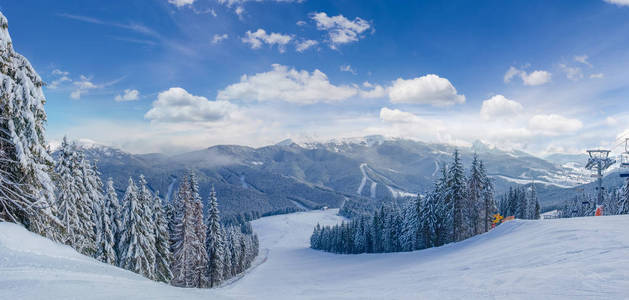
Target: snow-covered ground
[[585, 258]]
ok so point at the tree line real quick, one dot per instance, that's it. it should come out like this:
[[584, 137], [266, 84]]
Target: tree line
[[457, 208], [615, 202], [520, 202], [168, 242]]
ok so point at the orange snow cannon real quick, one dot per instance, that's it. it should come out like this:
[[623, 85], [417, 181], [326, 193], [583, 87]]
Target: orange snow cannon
[[599, 211]]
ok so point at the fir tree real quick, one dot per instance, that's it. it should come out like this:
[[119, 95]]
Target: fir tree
[[27, 192], [474, 203], [456, 196], [109, 215], [114, 215], [215, 243], [201, 277], [623, 202], [533, 204], [147, 203], [75, 205], [489, 205], [442, 211], [227, 257], [162, 243], [184, 239], [136, 249], [94, 192]]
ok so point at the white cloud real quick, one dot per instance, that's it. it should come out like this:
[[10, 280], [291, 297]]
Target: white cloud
[[597, 75], [239, 11], [429, 89], [219, 38], [305, 44], [60, 73], [287, 84], [553, 124], [62, 76], [537, 77], [82, 86], [499, 107], [512, 72], [347, 68], [372, 91], [398, 116], [230, 3], [176, 105], [583, 59], [301, 23], [611, 121], [340, 29], [76, 95], [128, 95], [258, 38], [181, 3], [55, 83], [572, 73], [618, 2]]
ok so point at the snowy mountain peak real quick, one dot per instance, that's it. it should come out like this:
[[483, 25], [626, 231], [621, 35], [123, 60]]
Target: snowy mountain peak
[[286, 142], [479, 146], [336, 144]]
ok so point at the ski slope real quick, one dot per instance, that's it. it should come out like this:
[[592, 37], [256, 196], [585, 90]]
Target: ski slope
[[580, 258]]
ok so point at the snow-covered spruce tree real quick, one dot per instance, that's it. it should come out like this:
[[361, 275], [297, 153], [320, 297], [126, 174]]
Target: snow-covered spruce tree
[[215, 243], [169, 210], [523, 201], [234, 249], [456, 196], [93, 188], [26, 189], [146, 200], [110, 222], [162, 242], [611, 202], [74, 204], [135, 246], [227, 256], [489, 205], [533, 204], [200, 230], [623, 199], [474, 203], [184, 240], [115, 214], [428, 221]]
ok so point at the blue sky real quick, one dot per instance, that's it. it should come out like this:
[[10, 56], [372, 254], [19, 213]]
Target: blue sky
[[171, 76]]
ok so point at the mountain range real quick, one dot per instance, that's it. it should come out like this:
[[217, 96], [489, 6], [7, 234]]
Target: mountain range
[[368, 170]]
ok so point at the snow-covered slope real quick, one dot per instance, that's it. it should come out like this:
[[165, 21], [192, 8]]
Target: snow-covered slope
[[586, 258], [32, 267]]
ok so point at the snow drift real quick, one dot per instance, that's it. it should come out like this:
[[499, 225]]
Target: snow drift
[[565, 258]]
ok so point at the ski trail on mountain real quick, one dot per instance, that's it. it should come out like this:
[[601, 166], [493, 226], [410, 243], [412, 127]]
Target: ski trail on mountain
[[363, 181], [372, 190], [170, 189]]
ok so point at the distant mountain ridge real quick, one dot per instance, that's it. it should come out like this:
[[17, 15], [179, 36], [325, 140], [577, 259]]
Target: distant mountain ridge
[[371, 169]]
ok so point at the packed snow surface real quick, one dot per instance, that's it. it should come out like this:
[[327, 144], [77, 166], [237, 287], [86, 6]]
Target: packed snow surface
[[579, 258]]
